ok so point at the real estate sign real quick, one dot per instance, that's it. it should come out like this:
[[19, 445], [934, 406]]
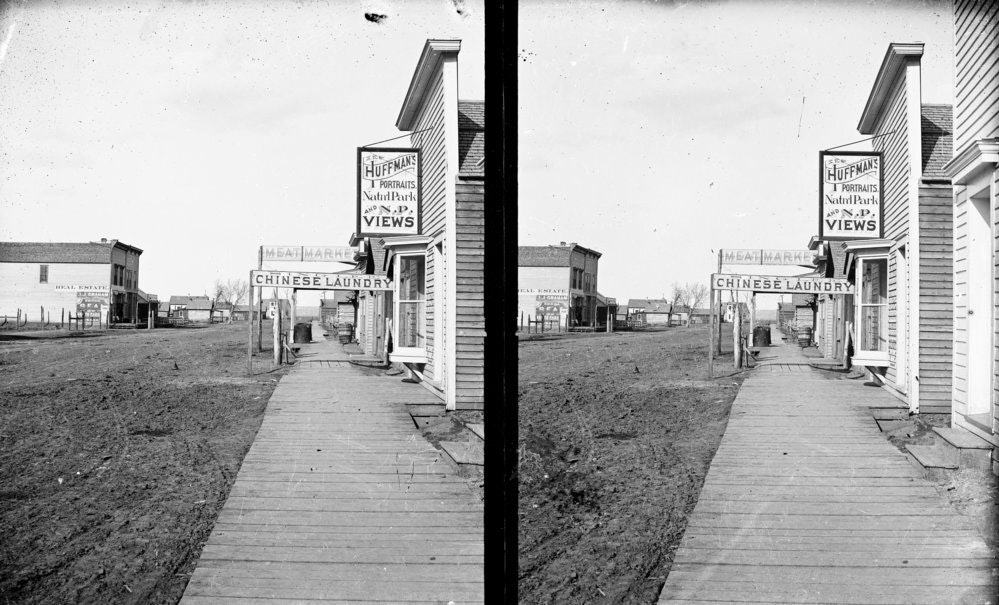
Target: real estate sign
[[850, 195], [319, 281], [388, 191], [779, 284]]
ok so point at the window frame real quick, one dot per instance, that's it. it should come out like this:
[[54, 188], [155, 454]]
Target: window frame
[[858, 254], [43, 274], [397, 249]]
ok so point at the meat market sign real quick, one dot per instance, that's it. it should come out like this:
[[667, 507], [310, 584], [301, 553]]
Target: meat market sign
[[388, 191], [778, 284], [319, 281], [341, 254], [757, 256], [850, 195]]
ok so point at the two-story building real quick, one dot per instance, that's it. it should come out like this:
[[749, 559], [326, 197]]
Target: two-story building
[[96, 280], [559, 281]]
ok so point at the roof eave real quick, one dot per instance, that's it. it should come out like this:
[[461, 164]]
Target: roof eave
[[434, 52], [895, 60]]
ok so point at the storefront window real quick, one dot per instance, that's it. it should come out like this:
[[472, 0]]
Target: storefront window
[[874, 305], [412, 313]]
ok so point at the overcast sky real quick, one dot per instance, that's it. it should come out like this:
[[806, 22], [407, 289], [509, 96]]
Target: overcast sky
[[198, 131], [658, 132]]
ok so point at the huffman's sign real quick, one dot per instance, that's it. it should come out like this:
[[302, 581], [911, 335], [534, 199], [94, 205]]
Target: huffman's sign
[[388, 191], [319, 281], [850, 195], [779, 284]]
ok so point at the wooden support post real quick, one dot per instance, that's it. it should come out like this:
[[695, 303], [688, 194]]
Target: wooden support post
[[719, 345], [711, 334], [277, 334], [294, 315], [260, 311], [736, 335], [249, 329], [752, 320], [62, 318]]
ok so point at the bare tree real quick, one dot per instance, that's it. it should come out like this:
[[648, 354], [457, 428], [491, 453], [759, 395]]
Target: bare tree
[[230, 292], [695, 296], [678, 298]]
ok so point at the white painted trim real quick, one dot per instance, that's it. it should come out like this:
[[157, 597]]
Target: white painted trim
[[450, 96], [976, 157], [914, 111]]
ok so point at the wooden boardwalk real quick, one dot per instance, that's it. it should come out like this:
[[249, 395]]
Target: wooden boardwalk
[[806, 502], [341, 500]]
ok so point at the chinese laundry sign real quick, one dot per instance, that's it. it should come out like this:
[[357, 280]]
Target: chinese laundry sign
[[342, 254], [850, 187], [757, 256], [319, 281], [388, 191], [778, 284]]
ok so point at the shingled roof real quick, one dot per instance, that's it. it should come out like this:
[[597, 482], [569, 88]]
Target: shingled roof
[[651, 305], [938, 140], [471, 137], [43, 252]]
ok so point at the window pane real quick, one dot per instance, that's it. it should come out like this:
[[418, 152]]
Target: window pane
[[411, 278], [412, 324], [875, 281], [874, 328]]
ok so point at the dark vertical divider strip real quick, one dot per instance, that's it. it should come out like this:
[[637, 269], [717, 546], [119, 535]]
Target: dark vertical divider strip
[[500, 305]]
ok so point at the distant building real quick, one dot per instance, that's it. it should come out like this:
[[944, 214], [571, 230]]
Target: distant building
[[558, 281], [200, 309], [177, 307], [651, 311], [97, 280]]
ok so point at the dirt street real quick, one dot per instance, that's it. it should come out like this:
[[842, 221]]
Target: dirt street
[[616, 435], [118, 450]]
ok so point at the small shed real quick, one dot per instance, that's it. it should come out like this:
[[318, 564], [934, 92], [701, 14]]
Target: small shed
[[200, 309]]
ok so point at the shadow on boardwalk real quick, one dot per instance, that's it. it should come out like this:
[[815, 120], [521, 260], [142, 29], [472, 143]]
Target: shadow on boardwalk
[[806, 502], [341, 499]]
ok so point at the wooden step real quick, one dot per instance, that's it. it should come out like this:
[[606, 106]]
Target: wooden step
[[933, 456], [465, 452], [897, 413], [962, 439], [971, 450], [479, 429]]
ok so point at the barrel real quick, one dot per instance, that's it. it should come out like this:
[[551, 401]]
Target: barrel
[[303, 333], [761, 336], [804, 337], [345, 332]]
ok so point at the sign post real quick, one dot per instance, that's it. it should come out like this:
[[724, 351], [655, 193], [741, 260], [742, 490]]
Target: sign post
[[260, 311], [249, 331], [277, 330]]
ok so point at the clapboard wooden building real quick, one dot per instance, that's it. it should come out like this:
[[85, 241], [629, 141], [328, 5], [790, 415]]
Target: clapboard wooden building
[[432, 322], [974, 173], [99, 280], [903, 307]]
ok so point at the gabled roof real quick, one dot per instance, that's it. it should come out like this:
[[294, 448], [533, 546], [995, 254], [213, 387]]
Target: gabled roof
[[471, 137], [43, 252], [938, 140], [651, 305], [185, 300], [891, 68], [199, 304]]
